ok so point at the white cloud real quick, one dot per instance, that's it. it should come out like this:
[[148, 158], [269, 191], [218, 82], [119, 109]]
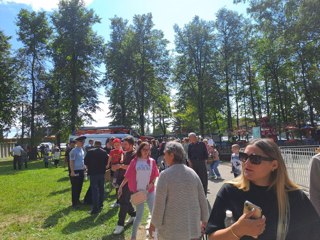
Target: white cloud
[[37, 5]]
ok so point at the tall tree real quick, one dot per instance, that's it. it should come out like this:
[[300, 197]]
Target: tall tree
[[151, 64], [118, 80], [137, 69], [80, 52], [9, 87], [193, 69], [34, 33], [303, 39], [229, 29]]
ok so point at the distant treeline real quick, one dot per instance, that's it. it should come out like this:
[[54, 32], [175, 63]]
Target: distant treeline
[[222, 75]]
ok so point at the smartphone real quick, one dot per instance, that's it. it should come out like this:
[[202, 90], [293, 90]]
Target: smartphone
[[248, 206]]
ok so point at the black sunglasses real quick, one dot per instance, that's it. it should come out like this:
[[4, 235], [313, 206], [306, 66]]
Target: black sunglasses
[[253, 158]]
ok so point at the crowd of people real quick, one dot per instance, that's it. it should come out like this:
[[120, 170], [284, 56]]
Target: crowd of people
[[172, 178], [23, 154]]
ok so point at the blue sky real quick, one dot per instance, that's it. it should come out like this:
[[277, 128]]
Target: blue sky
[[165, 14]]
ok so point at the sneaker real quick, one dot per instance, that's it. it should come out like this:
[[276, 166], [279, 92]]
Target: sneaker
[[113, 205], [130, 220], [219, 178], [118, 230]]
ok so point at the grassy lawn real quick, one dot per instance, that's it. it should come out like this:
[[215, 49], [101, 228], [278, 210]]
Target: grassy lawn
[[35, 203]]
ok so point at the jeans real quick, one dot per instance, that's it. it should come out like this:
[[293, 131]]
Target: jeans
[[97, 191], [76, 186], [139, 213], [214, 167]]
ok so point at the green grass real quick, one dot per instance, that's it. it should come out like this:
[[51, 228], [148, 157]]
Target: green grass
[[35, 203]]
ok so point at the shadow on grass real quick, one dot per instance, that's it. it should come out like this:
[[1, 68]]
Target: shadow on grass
[[54, 218], [4, 163], [89, 222], [6, 167], [59, 192], [63, 179], [114, 237]]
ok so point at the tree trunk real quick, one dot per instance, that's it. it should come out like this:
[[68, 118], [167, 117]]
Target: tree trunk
[[142, 98], [237, 101], [251, 94], [307, 92], [267, 96], [201, 106], [32, 140], [22, 124], [216, 120], [229, 116], [153, 120], [245, 110], [123, 105], [281, 110], [74, 101]]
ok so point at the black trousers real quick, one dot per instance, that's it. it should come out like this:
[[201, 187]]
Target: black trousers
[[17, 161], [88, 197], [125, 206], [76, 186], [97, 191], [201, 169]]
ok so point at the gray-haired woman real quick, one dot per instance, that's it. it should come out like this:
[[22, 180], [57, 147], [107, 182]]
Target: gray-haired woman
[[180, 208]]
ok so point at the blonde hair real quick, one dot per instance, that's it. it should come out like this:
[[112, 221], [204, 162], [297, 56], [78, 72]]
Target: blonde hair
[[279, 182]]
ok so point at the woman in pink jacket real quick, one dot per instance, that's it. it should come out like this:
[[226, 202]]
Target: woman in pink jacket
[[141, 175]]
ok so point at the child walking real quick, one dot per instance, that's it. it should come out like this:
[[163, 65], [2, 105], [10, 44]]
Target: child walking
[[235, 160]]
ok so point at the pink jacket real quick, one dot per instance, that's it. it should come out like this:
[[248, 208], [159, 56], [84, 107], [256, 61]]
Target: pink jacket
[[131, 174]]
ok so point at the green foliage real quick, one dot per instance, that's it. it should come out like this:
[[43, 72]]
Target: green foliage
[[118, 78], [8, 85], [137, 69], [194, 70], [77, 52], [35, 203], [229, 26], [224, 74], [34, 33]]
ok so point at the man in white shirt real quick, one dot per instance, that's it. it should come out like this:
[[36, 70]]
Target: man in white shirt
[[16, 153]]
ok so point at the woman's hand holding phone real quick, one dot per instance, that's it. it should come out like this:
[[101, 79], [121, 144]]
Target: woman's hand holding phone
[[247, 226]]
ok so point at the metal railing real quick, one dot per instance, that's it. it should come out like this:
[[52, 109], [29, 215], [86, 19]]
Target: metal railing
[[297, 160]]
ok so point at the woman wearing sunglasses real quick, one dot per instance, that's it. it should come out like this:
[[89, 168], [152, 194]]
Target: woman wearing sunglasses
[[287, 212]]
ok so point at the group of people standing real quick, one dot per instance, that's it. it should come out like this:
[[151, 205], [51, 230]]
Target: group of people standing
[[20, 157], [176, 197]]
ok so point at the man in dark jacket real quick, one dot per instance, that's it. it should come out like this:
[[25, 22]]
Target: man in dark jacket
[[197, 159], [96, 162]]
